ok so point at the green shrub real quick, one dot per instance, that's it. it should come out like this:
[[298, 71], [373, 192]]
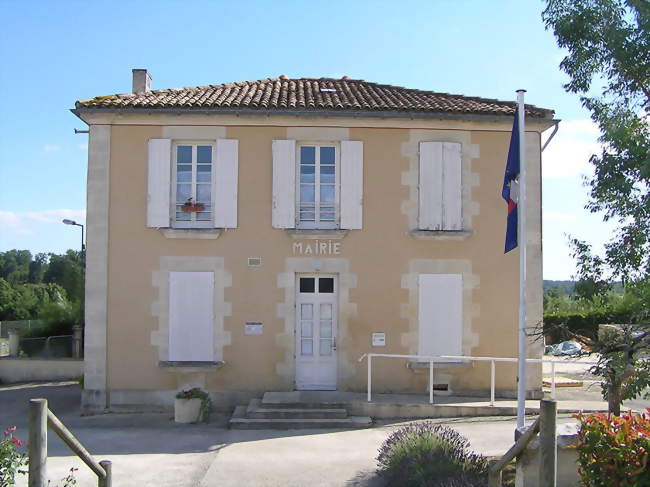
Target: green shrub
[[613, 450], [559, 326], [56, 319], [426, 454]]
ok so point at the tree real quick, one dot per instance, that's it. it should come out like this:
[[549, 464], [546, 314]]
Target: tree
[[609, 51], [14, 266], [37, 268], [608, 64], [67, 271]]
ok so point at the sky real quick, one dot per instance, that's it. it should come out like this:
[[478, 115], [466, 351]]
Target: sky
[[54, 53]]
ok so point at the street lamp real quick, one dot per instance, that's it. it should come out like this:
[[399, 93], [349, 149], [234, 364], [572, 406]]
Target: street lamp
[[83, 246]]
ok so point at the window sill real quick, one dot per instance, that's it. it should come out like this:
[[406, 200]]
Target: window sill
[[329, 234], [190, 367], [441, 234], [440, 364], [191, 233]]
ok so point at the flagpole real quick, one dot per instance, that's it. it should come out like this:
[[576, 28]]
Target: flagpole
[[521, 216]]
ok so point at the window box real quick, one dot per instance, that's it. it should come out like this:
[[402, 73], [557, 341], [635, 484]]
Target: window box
[[189, 207]]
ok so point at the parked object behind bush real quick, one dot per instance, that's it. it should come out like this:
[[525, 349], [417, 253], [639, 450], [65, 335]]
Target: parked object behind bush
[[432, 455], [613, 450]]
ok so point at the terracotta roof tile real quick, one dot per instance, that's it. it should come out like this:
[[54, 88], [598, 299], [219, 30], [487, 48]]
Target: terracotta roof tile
[[309, 94]]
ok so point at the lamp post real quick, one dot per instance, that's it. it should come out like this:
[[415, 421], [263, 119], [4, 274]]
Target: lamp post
[[83, 246]]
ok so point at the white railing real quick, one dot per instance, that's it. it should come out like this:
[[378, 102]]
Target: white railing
[[442, 359]]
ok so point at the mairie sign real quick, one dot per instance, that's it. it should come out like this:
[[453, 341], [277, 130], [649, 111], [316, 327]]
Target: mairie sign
[[317, 247]]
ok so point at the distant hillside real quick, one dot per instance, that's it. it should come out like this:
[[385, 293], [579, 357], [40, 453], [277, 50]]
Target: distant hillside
[[566, 286]]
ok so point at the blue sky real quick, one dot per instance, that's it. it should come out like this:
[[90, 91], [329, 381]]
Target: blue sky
[[54, 53]]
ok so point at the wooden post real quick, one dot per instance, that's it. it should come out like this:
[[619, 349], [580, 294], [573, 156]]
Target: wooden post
[[37, 443], [108, 480], [547, 443], [494, 477]]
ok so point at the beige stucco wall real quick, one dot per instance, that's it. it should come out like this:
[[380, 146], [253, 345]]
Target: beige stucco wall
[[378, 262]]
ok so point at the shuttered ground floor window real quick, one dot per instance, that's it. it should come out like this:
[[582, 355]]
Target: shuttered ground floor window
[[440, 314], [191, 317]]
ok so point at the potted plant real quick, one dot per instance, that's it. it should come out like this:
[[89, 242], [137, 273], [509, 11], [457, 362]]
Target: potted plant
[[192, 406], [189, 206]]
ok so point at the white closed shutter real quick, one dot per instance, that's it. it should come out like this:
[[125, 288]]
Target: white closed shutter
[[158, 187], [440, 314], [224, 192], [440, 186], [283, 213], [351, 184], [191, 316], [452, 196], [430, 186]]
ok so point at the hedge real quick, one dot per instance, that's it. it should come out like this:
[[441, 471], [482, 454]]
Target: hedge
[[559, 326]]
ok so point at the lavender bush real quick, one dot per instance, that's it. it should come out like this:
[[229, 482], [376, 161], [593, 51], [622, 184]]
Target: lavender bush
[[427, 454]]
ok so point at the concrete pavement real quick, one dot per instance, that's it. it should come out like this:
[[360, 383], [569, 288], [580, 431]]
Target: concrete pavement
[[151, 450]]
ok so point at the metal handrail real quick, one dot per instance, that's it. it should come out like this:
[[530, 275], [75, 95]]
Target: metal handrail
[[40, 417], [441, 359]]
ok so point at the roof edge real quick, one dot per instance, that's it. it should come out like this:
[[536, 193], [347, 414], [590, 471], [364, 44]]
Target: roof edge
[[317, 113]]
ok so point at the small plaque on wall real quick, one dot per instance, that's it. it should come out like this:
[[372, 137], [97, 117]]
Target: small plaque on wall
[[253, 328], [379, 339]]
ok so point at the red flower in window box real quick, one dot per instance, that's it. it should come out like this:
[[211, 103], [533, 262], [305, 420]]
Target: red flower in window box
[[189, 206]]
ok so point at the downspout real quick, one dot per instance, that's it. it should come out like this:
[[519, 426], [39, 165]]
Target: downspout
[[555, 129]]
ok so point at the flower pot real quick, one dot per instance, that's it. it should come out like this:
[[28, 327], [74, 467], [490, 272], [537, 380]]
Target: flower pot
[[187, 410], [192, 208]]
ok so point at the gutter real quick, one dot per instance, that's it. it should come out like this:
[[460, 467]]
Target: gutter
[[311, 113], [555, 129]]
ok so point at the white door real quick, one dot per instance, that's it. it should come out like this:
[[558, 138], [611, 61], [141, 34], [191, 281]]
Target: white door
[[316, 317]]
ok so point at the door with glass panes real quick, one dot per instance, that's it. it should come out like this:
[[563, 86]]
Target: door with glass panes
[[316, 322]]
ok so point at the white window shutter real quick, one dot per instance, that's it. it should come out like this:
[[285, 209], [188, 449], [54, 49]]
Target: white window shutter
[[191, 316], [430, 186], [159, 189], [440, 314], [351, 184], [224, 189], [284, 184], [452, 187]]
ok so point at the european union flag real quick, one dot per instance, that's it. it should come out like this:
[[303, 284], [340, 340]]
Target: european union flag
[[510, 191]]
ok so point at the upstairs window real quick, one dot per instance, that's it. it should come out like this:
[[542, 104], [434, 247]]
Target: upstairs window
[[318, 186], [192, 184], [192, 198]]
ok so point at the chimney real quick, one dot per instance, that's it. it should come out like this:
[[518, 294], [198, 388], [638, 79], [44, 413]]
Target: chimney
[[141, 81]]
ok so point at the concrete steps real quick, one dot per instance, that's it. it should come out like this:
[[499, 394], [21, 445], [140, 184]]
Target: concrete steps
[[282, 412]]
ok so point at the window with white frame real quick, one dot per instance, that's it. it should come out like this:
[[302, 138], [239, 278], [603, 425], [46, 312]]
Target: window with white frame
[[192, 184], [192, 188], [317, 197]]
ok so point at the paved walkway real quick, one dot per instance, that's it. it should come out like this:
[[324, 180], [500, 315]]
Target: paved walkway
[[151, 450]]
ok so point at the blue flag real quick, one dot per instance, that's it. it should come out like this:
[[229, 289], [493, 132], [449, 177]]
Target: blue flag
[[510, 191]]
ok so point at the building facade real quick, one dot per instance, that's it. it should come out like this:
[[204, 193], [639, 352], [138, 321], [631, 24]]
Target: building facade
[[262, 236]]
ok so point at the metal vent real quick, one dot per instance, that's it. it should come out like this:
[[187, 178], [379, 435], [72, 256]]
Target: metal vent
[[254, 261]]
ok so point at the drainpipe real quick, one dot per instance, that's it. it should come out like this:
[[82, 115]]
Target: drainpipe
[[555, 129]]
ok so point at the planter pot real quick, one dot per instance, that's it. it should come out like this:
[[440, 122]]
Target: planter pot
[[186, 410], [193, 208]]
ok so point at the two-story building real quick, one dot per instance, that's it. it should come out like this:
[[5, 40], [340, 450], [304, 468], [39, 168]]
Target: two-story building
[[263, 235]]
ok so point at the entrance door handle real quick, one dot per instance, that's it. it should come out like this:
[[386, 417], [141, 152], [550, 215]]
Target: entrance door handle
[[334, 343]]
